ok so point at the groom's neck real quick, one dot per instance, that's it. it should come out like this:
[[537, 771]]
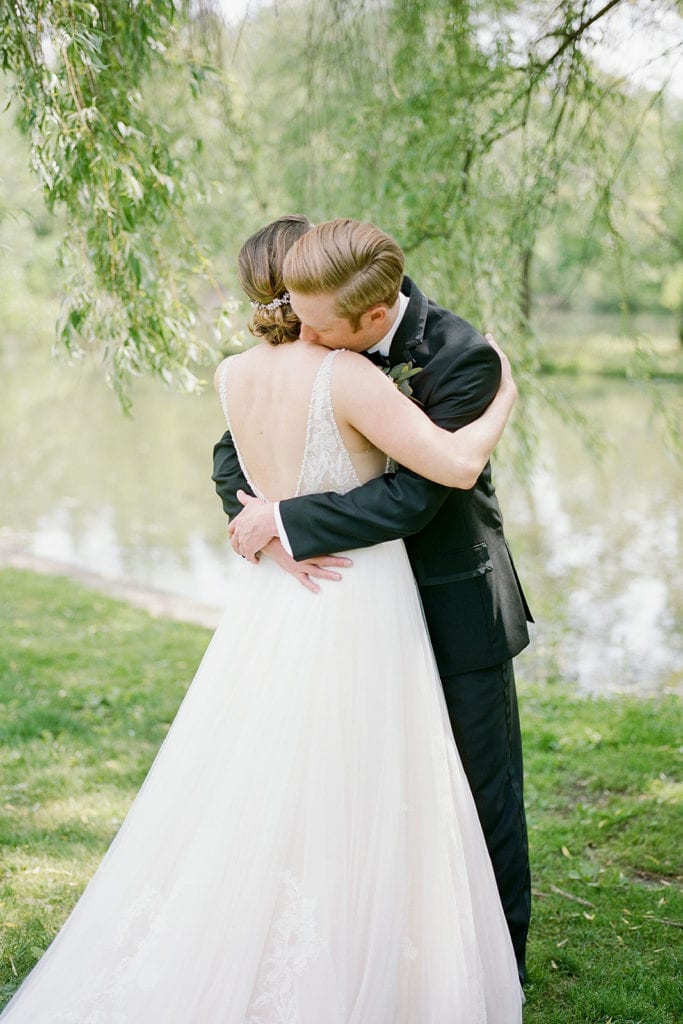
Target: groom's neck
[[389, 321]]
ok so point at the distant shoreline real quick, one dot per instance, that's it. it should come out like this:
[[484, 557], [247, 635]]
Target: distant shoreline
[[159, 603]]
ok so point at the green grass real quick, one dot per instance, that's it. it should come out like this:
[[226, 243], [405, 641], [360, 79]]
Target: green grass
[[89, 685], [604, 807]]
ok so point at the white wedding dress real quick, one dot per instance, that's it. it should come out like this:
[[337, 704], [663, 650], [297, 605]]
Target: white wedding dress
[[305, 848]]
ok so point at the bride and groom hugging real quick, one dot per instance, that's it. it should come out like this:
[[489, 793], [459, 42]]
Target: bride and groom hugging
[[305, 848], [474, 606]]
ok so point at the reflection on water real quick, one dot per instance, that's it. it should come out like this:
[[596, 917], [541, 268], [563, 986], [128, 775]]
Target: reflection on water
[[601, 546], [598, 544], [198, 571]]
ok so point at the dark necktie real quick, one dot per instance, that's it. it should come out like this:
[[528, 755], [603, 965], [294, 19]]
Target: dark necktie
[[378, 359]]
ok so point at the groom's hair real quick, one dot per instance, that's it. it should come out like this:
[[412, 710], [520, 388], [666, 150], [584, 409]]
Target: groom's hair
[[361, 264]]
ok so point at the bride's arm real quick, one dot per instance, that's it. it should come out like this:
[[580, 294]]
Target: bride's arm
[[372, 404]]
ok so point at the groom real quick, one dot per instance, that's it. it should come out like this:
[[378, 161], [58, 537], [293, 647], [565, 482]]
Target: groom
[[346, 285]]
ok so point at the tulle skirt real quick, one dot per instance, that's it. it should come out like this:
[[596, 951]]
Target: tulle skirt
[[305, 848]]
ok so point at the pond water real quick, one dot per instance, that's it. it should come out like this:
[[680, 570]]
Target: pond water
[[597, 543]]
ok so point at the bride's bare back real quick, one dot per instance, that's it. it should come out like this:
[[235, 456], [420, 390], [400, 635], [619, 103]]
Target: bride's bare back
[[269, 391]]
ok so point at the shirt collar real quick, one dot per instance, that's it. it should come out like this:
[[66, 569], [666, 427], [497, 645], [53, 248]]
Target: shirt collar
[[384, 344]]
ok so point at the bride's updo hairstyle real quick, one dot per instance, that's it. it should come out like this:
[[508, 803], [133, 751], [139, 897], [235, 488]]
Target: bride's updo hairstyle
[[260, 272]]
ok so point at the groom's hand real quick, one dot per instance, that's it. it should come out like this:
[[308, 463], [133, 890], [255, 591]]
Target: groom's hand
[[250, 531], [254, 530], [308, 571]]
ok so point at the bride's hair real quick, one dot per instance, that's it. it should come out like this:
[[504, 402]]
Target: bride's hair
[[260, 272]]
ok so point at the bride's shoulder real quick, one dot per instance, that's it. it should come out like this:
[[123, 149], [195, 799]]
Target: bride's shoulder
[[236, 363], [347, 361], [353, 366], [356, 381]]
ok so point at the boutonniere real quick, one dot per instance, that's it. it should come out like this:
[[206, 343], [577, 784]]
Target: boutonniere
[[401, 375]]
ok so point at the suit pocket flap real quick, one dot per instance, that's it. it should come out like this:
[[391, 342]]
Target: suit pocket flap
[[453, 566]]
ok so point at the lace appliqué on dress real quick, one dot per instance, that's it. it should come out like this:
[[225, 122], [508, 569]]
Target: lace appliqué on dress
[[294, 945], [326, 464], [410, 951], [103, 1001]]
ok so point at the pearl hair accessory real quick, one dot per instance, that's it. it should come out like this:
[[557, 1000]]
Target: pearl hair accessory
[[270, 306]]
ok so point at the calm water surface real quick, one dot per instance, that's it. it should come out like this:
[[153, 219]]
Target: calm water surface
[[598, 544]]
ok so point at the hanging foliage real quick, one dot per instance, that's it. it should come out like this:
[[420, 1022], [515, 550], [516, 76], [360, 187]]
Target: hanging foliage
[[77, 79]]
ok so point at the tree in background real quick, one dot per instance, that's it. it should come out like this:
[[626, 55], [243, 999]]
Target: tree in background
[[457, 126], [78, 73], [469, 129], [666, 223]]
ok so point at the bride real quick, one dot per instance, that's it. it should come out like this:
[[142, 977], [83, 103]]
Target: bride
[[305, 848]]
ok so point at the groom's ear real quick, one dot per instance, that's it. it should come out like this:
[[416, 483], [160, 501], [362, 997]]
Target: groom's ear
[[376, 316]]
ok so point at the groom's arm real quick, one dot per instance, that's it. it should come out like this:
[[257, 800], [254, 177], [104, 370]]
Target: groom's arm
[[387, 508], [399, 504], [228, 476]]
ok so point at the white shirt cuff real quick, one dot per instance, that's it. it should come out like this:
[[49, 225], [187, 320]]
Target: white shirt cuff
[[281, 532]]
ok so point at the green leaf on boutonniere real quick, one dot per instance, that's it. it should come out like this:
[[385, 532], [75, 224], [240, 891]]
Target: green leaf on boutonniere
[[401, 375]]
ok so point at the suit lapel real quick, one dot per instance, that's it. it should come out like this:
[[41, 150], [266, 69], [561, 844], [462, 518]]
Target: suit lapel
[[411, 329]]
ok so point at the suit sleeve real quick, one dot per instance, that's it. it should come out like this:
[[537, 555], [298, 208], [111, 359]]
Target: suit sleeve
[[396, 505], [228, 476]]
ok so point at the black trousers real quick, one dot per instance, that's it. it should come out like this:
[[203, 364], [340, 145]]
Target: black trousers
[[482, 706]]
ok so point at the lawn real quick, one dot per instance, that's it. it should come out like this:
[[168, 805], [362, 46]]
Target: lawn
[[89, 685]]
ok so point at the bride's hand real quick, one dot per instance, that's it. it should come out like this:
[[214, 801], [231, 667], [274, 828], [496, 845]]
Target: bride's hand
[[307, 571], [506, 380]]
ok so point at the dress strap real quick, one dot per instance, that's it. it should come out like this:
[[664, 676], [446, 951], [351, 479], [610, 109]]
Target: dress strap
[[223, 390]]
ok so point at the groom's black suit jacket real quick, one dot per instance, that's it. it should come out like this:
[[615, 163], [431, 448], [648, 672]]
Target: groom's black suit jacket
[[475, 607]]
